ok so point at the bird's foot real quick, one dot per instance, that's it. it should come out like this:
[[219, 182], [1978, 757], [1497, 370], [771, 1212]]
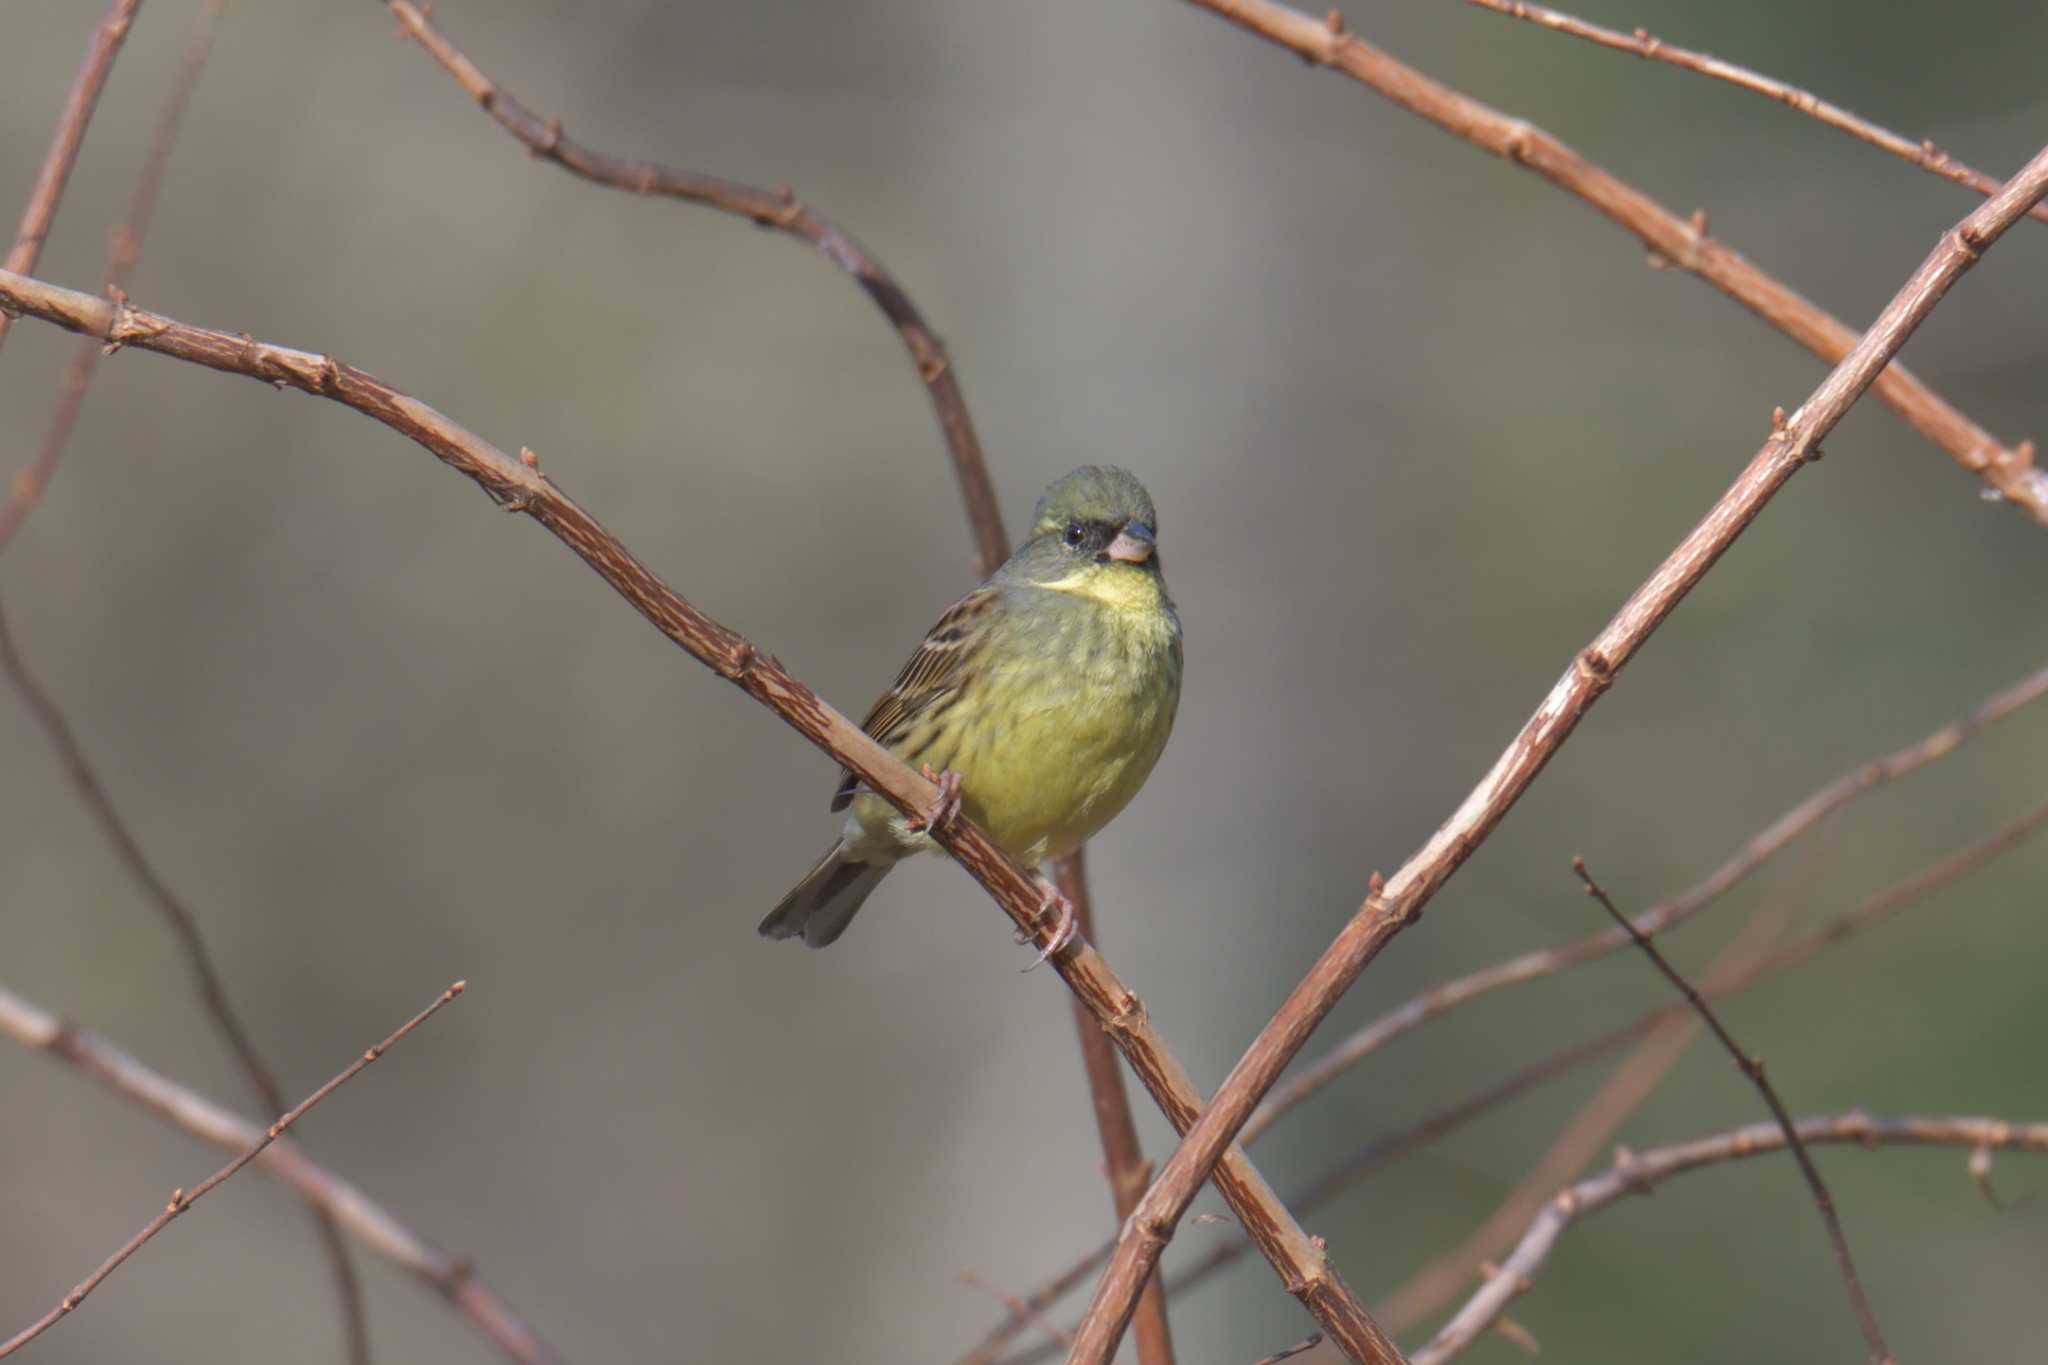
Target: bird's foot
[[946, 809], [1065, 921]]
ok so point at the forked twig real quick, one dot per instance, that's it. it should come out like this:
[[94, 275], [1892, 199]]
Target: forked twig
[[1923, 154], [30, 483], [373, 1226], [1639, 1172], [107, 37], [1752, 1066], [182, 1200]]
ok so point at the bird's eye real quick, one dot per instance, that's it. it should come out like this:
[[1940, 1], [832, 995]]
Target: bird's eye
[[1074, 535]]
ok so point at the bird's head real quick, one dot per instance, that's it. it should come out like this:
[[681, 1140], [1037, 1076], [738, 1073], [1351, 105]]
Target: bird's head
[[1094, 532]]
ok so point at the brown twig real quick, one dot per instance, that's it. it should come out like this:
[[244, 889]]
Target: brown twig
[[520, 486], [1122, 1157], [1761, 847], [1923, 154], [1389, 908], [777, 209], [48, 192], [1752, 1066], [371, 1224], [1443, 1278], [1060, 1340], [1684, 243], [1381, 1151], [30, 483], [1639, 1172], [1307, 1343], [180, 1200], [199, 963]]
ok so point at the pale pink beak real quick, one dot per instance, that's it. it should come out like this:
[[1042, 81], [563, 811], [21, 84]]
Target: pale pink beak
[[1133, 545]]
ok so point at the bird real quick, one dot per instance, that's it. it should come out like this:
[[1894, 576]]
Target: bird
[[1039, 703]]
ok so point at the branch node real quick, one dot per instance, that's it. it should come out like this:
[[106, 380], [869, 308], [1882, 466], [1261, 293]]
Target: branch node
[[549, 147]]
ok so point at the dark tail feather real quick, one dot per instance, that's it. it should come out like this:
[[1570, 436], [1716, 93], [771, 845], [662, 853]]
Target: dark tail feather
[[826, 900]]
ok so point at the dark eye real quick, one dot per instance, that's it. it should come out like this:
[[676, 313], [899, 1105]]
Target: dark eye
[[1074, 535]]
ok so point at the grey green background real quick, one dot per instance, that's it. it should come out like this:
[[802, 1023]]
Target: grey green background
[[1416, 423]]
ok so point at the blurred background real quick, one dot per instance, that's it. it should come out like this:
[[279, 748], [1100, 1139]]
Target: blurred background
[[1416, 423]]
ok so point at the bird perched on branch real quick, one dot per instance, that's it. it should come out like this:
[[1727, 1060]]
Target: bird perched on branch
[[1039, 703]]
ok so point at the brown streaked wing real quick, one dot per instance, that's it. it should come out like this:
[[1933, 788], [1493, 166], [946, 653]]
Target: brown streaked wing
[[932, 673]]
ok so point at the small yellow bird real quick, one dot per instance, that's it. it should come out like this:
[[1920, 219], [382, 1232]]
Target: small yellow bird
[[1043, 699]]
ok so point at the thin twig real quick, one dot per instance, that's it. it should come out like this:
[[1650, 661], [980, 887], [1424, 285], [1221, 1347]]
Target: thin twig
[[1639, 1172], [1307, 1343], [1878, 909], [372, 1225], [107, 37], [1122, 1156], [199, 964], [777, 209], [1060, 1340], [1680, 242], [1443, 1277], [30, 483], [1759, 849], [1752, 1066], [180, 1200], [1923, 154], [1388, 909], [520, 486]]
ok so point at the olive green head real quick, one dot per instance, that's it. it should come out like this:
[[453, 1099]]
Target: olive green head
[[1098, 515]]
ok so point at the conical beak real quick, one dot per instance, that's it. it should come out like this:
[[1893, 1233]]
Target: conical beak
[[1133, 545]]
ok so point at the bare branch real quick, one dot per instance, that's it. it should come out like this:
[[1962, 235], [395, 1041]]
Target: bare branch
[[1923, 154], [2008, 471], [180, 1200], [1872, 912], [520, 486], [1388, 909], [1752, 1066], [1639, 1172], [199, 963], [375, 1227], [1761, 847], [777, 209], [30, 484], [1440, 1281], [107, 38], [1122, 1156]]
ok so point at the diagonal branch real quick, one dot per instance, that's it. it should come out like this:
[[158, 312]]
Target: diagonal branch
[[1753, 1067], [30, 483], [48, 192], [1640, 1172], [2008, 472], [1923, 154], [1391, 907], [777, 209], [520, 486], [181, 1200], [372, 1225], [1876, 910], [1763, 846]]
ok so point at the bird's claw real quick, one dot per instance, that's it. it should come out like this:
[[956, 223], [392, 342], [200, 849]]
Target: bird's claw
[[944, 810], [1065, 922]]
